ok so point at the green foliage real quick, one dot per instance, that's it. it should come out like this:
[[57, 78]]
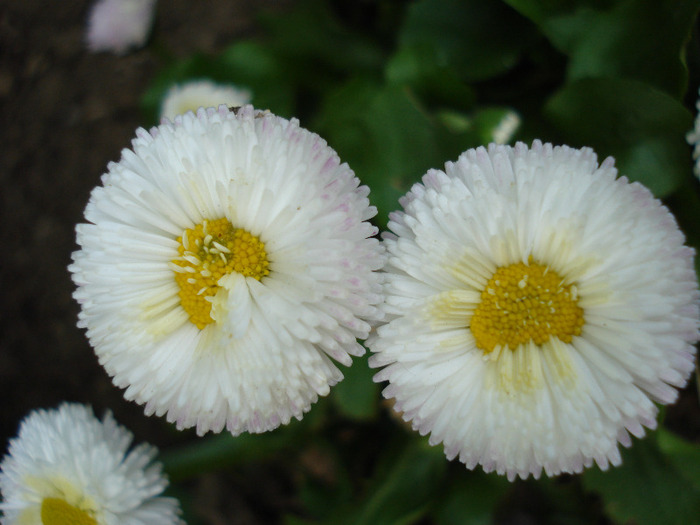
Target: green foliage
[[309, 39], [224, 450], [683, 455], [651, 487], [407, 478], [356, 396], [470, 498], [402, 489], [643, 128], [387, 137], [638, 39], [477, 40], [415, 66], [397, 88]]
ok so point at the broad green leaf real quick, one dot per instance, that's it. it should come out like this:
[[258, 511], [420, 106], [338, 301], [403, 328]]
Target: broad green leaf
[[567, 30], [684, 455], [563, 22], [640, 39], [478, 39], [470, 499], [402, 493], [356, 396], [620, 43], [406, 478], [643, 128], [539, 11], [647, 488], [316, 45], [415, 66], [386, 138]]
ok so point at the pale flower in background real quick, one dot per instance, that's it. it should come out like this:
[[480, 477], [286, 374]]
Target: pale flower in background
[[195, 94], [538, 308], [117, 26], [227, 258], [66, 466]]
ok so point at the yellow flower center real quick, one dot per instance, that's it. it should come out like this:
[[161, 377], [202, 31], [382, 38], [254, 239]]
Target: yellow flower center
[[55, 511], [526, 302], [209, 251]]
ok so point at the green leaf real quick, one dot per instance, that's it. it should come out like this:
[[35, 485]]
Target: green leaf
[[357, 396], [643, 128], [618, 43], [315, 44], [402, 493], [647, 488], [253, 64], [684, 455], [470, 499], [415, 66], [563, 22], [539, 11], [386, 138], [478, 39], [219, 451], [614, 39]]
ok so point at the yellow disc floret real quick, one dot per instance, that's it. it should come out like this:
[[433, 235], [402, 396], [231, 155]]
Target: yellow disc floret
[[209, 251], [55, 511], [526, 302]]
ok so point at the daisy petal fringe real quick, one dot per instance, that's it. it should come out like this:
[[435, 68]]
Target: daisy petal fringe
[[538, 307], [227, 260]]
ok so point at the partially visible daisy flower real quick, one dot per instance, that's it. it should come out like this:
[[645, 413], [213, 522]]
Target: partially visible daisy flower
[[117, 26], [693, 138], [67, 467], [227, 258], [538, 307], [191, 96]]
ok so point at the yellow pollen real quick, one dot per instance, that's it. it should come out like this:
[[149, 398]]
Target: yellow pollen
[[55, 511], [526, 302], [209, 251]]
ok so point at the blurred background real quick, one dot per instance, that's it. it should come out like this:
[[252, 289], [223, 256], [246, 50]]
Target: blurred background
[[396, 88]]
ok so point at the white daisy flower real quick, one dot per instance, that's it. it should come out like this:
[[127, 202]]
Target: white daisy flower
[[191, 96], [538, 306], [66, 467], [228, 256], [117, 26]]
